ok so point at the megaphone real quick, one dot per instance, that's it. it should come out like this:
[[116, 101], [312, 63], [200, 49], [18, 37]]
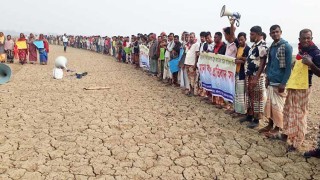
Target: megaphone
[[61, 62], [231, 15], [5, 73]]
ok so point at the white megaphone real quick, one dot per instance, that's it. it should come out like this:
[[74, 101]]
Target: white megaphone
[[231, 15], [5, 73], [61, 62]]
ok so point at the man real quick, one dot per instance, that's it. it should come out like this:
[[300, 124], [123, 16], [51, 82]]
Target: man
[[278, 72], [184, 82], [101, 44], [240, 95], [153, 54], [174, 53], [219, 48], [136, 51], [256, 62], [295, 110], [316, 70], [209, 48], [231, 51], [65, 42], [191, 63], [167, 76], [209, 42], [203, 45]]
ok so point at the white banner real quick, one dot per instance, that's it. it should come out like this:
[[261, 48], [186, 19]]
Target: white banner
[[144, 57], [217, 75]]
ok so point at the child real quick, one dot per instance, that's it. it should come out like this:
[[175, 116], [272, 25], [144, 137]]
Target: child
[[161, 59]]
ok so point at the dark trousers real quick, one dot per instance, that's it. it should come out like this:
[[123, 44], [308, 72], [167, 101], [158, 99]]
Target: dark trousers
[[65, 44]]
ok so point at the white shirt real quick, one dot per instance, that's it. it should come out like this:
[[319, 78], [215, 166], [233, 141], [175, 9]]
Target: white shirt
[[191, 55], [201, 46], [169, 47], [101, 42], [231, 50], [64, 39], [210, 47]]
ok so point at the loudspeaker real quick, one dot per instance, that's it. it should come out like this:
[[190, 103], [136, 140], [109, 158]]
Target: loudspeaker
[[61, 62], [5, 73], [231, 15]]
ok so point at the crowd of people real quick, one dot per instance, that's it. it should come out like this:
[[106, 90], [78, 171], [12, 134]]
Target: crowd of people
[[262, 72], [9, 49]]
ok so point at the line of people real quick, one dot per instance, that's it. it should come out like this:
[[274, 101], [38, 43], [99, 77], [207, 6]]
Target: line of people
[[10, 51], [262, 73]]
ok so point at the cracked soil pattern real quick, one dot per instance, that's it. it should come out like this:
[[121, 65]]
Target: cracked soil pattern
[[138, 129]]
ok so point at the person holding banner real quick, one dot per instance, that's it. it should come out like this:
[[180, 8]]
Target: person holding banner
[[256, 62], [32, 49], [2, 51], [43, 52], [219, 48], [295, 109], [316, 70], [175, 55], [231, 51], [191, 64], [167, 76], [184, 82], [203, 45], [23, 49], [278, 71]]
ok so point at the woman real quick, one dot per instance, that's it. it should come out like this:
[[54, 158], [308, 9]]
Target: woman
[[32, 50], [43, 52], [22, 53], [9, 48], [2, 52]]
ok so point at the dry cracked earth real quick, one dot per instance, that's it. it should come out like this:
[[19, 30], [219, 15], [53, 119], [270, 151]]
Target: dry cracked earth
[[138, 129]]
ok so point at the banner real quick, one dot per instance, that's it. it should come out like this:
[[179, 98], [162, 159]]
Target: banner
[[299, 76], [39, 44], [174, 63], [217, 75], [144, 57], [22, 44]]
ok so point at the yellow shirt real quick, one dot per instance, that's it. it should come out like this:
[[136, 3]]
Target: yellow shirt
[[239, 55]]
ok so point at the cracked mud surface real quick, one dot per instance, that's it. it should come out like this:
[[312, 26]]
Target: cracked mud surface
[[138, 129]]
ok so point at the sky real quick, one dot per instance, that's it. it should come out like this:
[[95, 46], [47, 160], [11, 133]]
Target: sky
[[127, 17]]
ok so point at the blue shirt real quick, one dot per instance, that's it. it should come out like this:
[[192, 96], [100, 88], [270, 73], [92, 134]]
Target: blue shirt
[[275, 74]]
